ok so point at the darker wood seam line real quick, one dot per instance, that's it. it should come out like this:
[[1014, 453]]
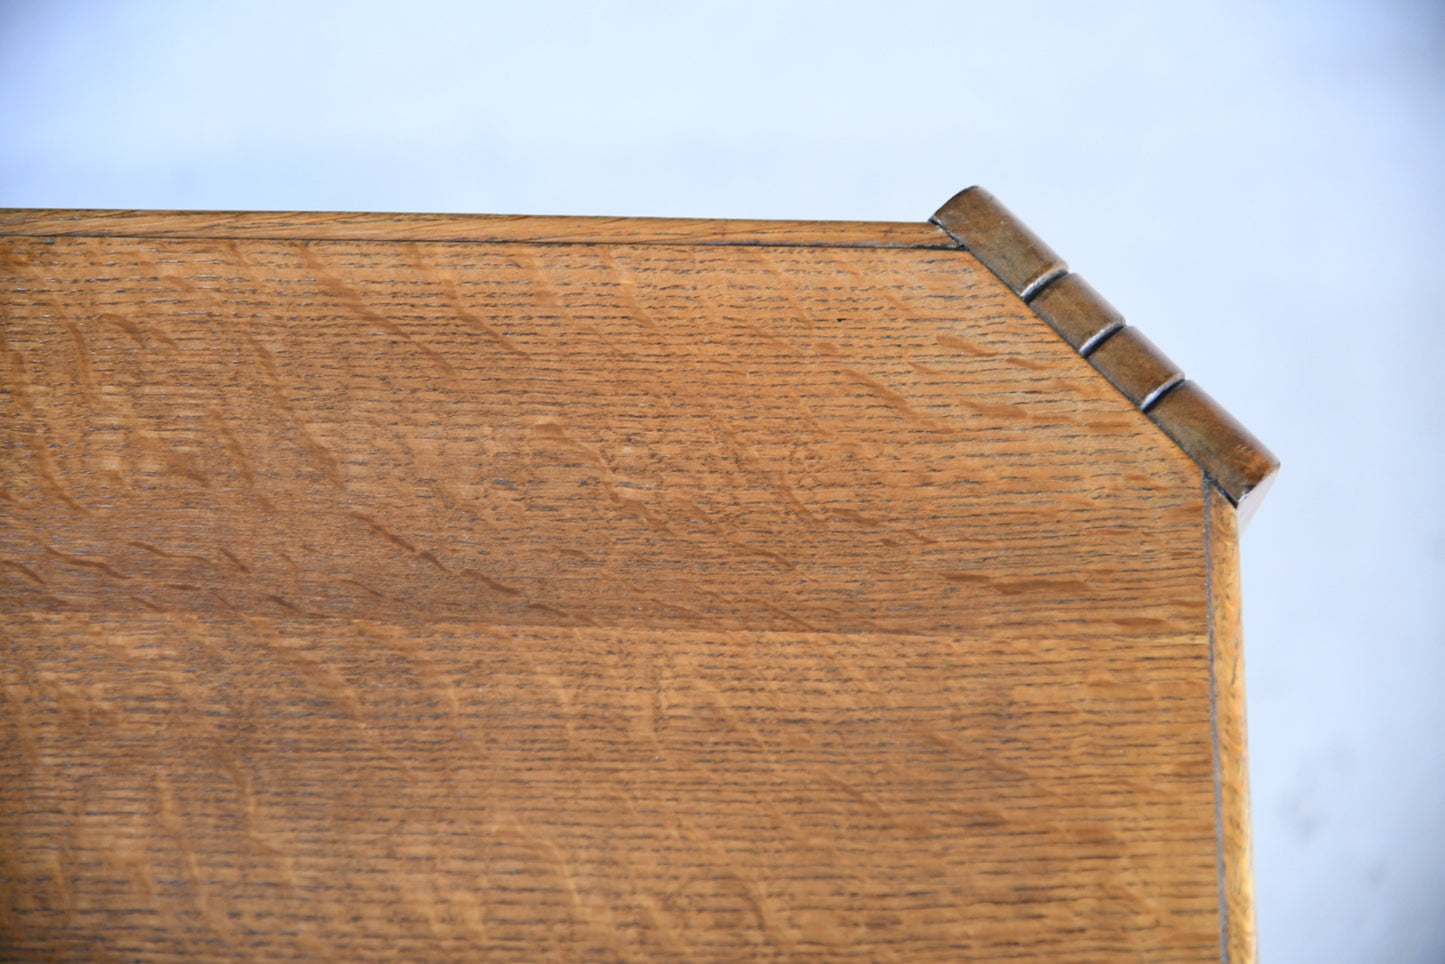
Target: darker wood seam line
[[948, 231], [670, 242]]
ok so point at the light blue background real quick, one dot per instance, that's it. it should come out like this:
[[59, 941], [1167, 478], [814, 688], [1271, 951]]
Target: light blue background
[[1261, 187]]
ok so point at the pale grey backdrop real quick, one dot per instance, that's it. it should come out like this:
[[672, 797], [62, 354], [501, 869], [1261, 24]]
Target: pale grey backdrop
[[1261, 187]]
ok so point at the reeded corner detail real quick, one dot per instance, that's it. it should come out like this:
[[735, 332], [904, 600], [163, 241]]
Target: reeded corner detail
[[1237, 462], [1136, 367], [990, 232], [1077, 312]]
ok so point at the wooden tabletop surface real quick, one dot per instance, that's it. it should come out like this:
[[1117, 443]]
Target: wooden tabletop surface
[[594, 596]]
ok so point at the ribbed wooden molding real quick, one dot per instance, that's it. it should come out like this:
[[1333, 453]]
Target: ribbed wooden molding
[[1241, 465]]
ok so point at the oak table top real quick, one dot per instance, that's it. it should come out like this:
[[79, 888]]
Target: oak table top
[[384, 587]]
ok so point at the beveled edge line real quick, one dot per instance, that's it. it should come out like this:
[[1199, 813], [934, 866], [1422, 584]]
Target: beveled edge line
[[450, 228], [1227, 706], [1240, 465], [1205, 490]]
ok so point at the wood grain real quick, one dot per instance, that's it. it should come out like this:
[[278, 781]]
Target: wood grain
[[377, 600], [1226, 634], [366, 791], [535, 435]]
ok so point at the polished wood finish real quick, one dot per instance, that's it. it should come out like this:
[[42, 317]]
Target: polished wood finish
[[1135, 366], [1080, 315], [1240, 463], [379, 600], [979, 221]]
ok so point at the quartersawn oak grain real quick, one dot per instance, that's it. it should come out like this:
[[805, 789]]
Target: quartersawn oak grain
[[371, 791], [370, 600], [622, 435]]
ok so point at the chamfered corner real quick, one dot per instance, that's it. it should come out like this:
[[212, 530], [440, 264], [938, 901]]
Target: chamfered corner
[[1238, 463]]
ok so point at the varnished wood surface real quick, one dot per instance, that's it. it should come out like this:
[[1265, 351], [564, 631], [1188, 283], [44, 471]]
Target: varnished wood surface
[[297, 225], [1080, 315], [1231, 455], [554, 602], [992, 233], [1135, 366]]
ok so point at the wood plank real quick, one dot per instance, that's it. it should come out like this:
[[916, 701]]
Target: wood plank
[[364, 791], [297, 225], [559, 602], [609, 436]]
